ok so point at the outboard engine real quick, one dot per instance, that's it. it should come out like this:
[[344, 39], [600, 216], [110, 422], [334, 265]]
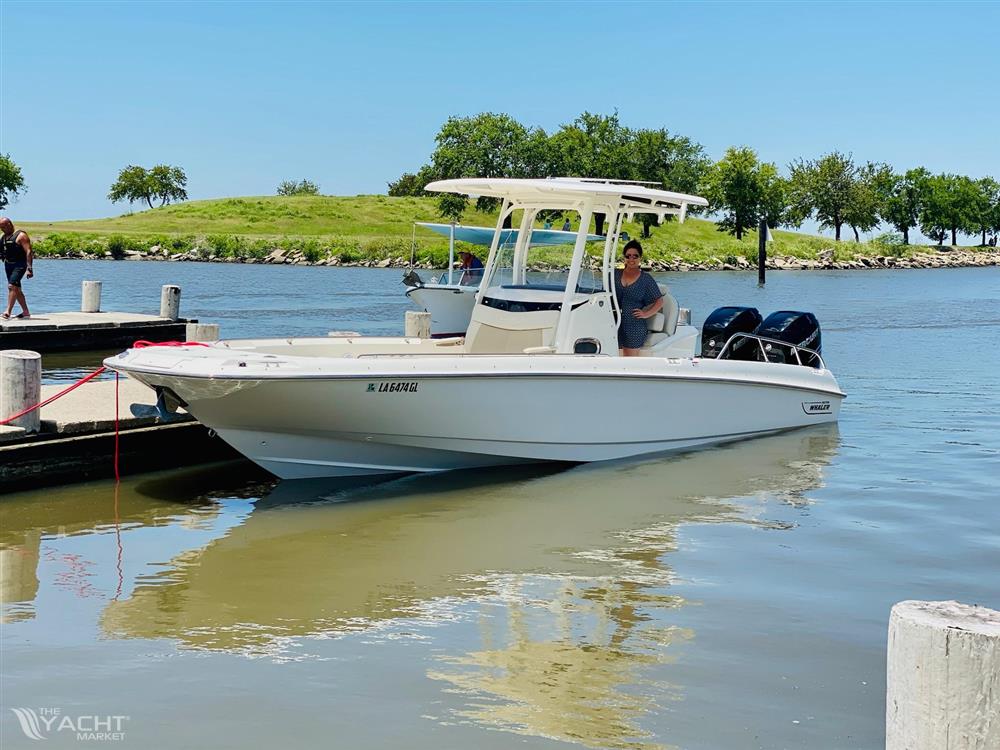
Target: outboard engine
[[798, 328], [722, 324]]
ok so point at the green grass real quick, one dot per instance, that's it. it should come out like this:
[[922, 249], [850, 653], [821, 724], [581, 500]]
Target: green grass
[[374, 227]]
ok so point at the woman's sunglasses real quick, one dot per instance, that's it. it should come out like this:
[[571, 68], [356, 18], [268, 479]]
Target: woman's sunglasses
[[631, 257]]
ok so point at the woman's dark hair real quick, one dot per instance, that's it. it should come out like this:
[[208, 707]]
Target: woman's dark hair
[[632, 245]]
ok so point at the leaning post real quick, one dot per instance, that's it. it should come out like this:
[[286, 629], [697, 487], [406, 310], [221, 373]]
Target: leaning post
[[170, 302], [942, 677], [21, 387], [91, 297], [761, 251]]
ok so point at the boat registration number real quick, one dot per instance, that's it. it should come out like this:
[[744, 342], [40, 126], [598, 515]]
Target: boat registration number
[[401, 387]]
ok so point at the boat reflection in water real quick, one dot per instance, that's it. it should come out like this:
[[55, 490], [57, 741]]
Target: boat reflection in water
[[563, 577]]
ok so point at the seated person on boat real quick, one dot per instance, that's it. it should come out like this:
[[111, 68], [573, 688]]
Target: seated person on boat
[[472, 268]]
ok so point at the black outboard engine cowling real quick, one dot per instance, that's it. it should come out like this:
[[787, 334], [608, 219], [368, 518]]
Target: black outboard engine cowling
[[798, 328], [722, 324]]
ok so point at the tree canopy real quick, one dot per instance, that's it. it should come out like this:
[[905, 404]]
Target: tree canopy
[[302, 187], [902, 197], [744, 190], [984, 208], [948, 207], [833, 189], [11, 180], [163, 183], [823, 187], [592, 145]]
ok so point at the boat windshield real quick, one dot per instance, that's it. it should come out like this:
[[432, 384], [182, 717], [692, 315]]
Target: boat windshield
[[549, 257]]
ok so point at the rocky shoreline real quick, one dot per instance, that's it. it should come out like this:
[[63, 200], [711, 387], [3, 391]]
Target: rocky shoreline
[[945, 257]]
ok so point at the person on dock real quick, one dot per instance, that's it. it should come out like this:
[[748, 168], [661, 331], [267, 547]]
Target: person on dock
[[566, 225], [18, 262], [639, 298], [472, 268]]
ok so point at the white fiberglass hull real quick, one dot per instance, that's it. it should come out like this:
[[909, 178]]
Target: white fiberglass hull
[[450, 306], [302, 417]]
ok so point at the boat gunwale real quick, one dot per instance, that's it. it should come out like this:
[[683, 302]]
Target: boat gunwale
[[274, 377]]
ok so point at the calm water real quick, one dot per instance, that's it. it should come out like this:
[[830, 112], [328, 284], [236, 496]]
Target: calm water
[[730, 598]]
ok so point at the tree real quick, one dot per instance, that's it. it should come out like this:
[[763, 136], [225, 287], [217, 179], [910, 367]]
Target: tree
[[11, 180], [732, 185], [674, 162], [452, 205], [864, 208], [902, 199], [746, 190], [168, 183], [132, 185], [488, 145], [162, 182], [413, 184], [824, 187], [302, 187], [407, 184], [774, 197], [947, 207], [983, 209]]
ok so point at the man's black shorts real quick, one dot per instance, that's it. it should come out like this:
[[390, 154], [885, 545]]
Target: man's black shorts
[[15, 272]]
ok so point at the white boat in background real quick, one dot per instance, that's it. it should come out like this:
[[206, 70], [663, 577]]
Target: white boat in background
[[450, 297], [537, 377]]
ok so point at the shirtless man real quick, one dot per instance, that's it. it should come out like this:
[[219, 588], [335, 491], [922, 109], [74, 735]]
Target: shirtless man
[[18, 262]]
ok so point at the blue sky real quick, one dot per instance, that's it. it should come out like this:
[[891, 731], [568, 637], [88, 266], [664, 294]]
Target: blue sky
[[243, 95]]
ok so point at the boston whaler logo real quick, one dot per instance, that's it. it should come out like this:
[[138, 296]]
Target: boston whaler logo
[[46, 722], [410, 387], [816, 407]]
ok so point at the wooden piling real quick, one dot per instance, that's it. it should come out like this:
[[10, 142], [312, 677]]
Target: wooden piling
[[418, 324], [202, 332], [762, 251], [20, 386], [170, 302], [91, 297], [943, 677]]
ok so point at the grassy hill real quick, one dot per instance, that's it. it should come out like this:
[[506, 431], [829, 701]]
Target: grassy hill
[[368, 227]]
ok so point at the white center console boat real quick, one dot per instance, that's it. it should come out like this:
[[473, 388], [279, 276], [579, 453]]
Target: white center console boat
[[537, 377]]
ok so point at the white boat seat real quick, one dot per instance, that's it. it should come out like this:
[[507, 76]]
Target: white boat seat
[[664, 323]]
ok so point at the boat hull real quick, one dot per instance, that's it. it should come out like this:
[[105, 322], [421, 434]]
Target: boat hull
[[450, 306], [396, 418]]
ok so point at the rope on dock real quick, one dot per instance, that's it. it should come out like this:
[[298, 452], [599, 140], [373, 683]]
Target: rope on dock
[[141, 344], [50, 399]]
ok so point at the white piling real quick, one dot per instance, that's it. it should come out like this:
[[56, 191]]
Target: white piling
[[201, 332], [20, 386], [943, 677], [170, 302], [418, 324], [91, 297]]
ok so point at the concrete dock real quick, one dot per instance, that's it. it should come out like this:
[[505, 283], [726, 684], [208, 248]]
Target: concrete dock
[[77, 438], [88, 331]]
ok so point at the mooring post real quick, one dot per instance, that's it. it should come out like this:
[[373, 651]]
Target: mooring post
[[91, 297], [21, 387], [201, 332], [942, 677], [170, 302], [418, 324], [761, 251]]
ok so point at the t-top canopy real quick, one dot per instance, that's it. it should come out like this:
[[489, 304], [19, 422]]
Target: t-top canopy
[[484, 235], [568, 192]]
